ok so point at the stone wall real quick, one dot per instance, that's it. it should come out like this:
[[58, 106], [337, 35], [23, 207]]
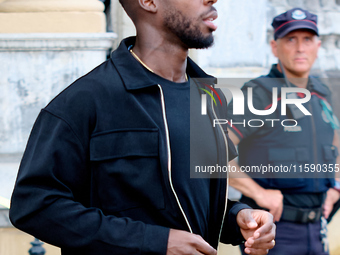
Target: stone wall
[[50, 16], [242, 40], [121, 23], [35, 68], [44, 47]]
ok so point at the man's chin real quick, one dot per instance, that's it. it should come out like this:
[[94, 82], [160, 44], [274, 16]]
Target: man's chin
[[302, 69], [201, 44]]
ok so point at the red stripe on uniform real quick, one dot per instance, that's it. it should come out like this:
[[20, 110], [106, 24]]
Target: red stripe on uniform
[[316, 94], [270, 105], [293, 21], [237, 131]]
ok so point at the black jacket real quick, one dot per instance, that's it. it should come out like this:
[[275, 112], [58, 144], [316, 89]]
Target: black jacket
[[94, 176]]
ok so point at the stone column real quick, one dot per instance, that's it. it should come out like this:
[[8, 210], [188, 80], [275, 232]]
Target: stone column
[[44, 46], [121, 23], [52, 16]]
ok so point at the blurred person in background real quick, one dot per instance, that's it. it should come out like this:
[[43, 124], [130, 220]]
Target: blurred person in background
[[300, 206]]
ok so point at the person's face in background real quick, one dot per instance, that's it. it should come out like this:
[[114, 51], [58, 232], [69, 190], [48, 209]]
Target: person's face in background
[[297, 52]]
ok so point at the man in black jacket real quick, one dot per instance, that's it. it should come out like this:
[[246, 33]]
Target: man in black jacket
[[106, 168]]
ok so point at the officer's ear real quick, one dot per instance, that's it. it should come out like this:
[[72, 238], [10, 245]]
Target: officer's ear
[[273, 45], [149, 5], [318, 42]]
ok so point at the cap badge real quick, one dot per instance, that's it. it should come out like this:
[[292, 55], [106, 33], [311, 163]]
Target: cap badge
[[299, 15]]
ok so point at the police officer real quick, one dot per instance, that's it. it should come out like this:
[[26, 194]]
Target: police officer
[[308, 144]]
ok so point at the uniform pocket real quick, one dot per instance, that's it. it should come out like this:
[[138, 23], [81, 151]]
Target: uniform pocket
[[286, 161], [330, 152], [126, 170]]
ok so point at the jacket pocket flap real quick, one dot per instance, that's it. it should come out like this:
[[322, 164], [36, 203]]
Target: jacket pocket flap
[[281, 154], [330, 152], [126, 143]]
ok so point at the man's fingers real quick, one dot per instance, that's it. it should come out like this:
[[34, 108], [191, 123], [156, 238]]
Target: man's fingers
[[248, 221], [277, 212], [277, 215], [199, 253], [260, 238], [251, 223], [268, 227], [262, 247], [256, 251], [265, 242], [261, 250], [203, 247], [207, 251], [327, 210], [265, 231], [185, 243]]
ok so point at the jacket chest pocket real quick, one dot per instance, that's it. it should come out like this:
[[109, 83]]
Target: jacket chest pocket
[[126, 170]]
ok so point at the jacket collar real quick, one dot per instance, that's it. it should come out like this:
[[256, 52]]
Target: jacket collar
[[134, 75], [314, 83]]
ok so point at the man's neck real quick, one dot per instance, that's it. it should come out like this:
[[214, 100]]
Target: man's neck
[[162, 57], [299, 80]]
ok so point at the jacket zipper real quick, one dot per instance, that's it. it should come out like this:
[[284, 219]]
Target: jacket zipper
[[169, 158], [227, 161]]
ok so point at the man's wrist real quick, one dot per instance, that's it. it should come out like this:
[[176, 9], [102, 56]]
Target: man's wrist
[[337, 186], [259, 195]]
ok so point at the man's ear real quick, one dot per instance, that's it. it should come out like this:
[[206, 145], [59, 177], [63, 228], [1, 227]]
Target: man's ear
[[273, 45], [319, 43], [318, 46], [149, 5]]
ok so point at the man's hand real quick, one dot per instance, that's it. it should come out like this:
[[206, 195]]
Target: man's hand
[[332, 197], [184, 243], [272, 200], [258, 229]]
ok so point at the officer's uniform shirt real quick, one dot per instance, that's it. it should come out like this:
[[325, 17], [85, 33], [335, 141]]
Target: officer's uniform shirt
[[262, 99]]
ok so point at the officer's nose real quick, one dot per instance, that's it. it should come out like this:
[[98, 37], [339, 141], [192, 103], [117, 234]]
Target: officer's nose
[[211, 2], [300, 46]]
